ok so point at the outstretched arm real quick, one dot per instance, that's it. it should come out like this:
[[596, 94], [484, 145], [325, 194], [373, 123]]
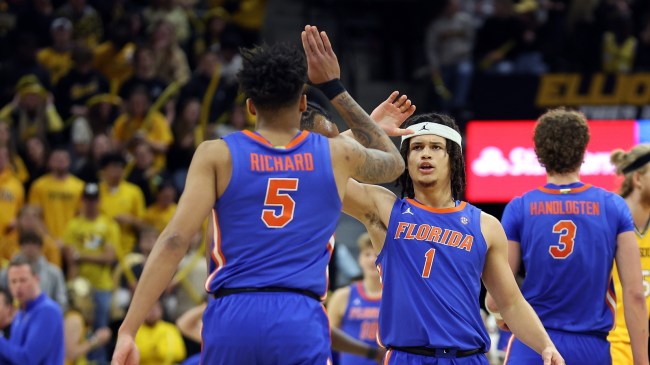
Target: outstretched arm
[[390, 114], [381, 153], [516, 311], [172, 244]]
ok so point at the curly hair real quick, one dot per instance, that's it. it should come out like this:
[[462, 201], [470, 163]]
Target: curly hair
[[273, 76], [456, 160], [561, 137], [621, 160]]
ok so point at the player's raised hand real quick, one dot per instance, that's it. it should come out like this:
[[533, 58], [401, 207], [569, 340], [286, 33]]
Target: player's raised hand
[[551, 356], [322, 64], [392, 112], [126, 352]]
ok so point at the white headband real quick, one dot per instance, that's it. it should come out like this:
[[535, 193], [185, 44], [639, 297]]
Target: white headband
[[435, 129]]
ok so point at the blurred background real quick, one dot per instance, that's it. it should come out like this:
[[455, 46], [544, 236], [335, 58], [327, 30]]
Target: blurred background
[[120, 93]]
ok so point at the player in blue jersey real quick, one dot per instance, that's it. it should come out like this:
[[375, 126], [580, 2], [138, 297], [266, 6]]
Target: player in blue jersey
[[355, 308], [433, 252], [567, 234], [275, 196]]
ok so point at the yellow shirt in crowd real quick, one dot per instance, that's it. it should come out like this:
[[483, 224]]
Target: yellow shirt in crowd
[[58, 199], [160, 344], [158, 217], [12, 198], [57, 63], [10, 246], [127, 198], [154, 127], [92, 237]]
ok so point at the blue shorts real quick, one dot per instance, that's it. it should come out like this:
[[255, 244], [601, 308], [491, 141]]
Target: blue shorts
[[265, 328], [575, 348], [395, 357]]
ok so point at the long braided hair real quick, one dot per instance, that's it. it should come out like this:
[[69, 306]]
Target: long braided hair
[[456, 160]]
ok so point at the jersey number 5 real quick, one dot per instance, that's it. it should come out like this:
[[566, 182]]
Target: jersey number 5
[[564, 247], [276, 197]]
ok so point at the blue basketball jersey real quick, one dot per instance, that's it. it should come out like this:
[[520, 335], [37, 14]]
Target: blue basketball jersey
[[360, 322], [431, 266], [274, 223], [568, 236]]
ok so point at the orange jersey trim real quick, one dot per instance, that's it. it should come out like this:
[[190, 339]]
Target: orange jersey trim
[[330, 248], [217, 255], [365, 295], [565, 191], [508, 349], [458, 208], [294, 142], [387, 356]]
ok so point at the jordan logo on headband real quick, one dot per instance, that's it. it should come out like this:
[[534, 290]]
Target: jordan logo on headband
[[437, 129]]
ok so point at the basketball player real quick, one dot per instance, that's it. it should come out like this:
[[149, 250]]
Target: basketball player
[[433, 252], [271, 246], [355, 308], [635, 189], [567, 235]]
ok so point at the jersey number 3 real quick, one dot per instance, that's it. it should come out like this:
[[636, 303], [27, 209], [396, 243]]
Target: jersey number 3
[[564, 247], [276, 197]]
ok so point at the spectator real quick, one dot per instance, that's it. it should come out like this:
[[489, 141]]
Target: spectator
[[80, 84], [140, 124], [120, 200], [88, 27], [76, 321], [170, 59], [92, 239], [50, 276], [102, 109], [144, 67], [619, 46], [36, 155], [32, 112], [30, 219], [13, 197], [169, 12], [449, 43], [187, 136], [88, 171], [209, 85], [37, 329], [57, 58], [113, 58], [16, 163], [497, 38], [142, 172], [7, 312], [22, 63], [161, 211], [57, 193], [159, 342]]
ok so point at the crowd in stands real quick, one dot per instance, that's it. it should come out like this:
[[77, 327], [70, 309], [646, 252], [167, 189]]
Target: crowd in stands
[[532, 37], [102, 104]]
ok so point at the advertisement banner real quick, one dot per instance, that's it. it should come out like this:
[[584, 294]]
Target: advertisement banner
[[501, 161]]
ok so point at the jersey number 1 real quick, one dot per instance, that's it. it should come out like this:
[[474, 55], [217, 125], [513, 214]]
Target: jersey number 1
[[429, 255], [564, 247], [276, 197]]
